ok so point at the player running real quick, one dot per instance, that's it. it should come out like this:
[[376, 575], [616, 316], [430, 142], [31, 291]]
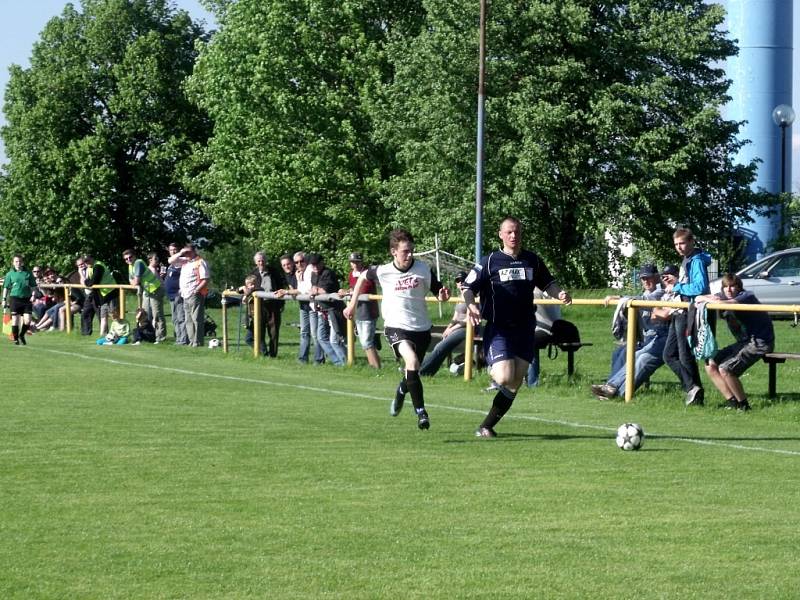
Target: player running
[[505, 280], [404, 284]]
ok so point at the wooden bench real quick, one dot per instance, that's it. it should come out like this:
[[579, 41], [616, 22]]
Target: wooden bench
[[773, 359]]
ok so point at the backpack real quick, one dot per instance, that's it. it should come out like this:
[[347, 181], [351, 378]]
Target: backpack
[[701, 338]]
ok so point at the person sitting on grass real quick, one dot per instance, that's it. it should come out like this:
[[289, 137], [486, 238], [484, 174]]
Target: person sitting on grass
[[118, 332], [144, 330], [755, 337]]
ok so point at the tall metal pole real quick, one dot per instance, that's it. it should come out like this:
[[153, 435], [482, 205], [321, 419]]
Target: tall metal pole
[[783, 159], [479, 168]]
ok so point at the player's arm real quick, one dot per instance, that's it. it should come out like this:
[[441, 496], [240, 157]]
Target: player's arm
[[473, 311], [554, 291], [349, 310]]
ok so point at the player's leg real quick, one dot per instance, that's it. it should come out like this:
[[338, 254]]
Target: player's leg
[[410, 354]]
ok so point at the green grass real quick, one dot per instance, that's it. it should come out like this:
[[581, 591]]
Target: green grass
[[162, 472]]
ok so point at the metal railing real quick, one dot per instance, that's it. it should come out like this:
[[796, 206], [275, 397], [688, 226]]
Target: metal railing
[[632, 313], [104, 286]]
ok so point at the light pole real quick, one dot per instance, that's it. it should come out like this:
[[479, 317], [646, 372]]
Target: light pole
[[783, 116], [481, 118]]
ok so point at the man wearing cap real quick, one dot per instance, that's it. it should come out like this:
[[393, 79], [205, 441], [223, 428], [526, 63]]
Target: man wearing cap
[[649, 356], [366, 311]]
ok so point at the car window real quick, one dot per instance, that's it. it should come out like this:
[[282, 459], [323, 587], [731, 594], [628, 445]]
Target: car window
[[757, 267], [787, 266]]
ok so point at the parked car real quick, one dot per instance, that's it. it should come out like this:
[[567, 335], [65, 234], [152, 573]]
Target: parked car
[[774, 279]]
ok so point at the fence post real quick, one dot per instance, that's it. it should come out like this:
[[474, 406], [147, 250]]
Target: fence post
[[630, 352], [256, 325], [468, 347], [68, 309], [224, 303]]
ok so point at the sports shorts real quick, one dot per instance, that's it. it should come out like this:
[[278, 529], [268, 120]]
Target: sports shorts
[[506, 344], [739, 357], [20, 306], [420, 340]]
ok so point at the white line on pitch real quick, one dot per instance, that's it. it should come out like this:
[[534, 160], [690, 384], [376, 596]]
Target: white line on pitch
[[516, 416]]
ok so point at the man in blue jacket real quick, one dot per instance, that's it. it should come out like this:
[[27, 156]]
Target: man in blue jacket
[[692, 282]]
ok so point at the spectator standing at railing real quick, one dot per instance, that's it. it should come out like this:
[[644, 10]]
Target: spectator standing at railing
[[172, 289], [308, 318], [405, 282], [150, 289], [692, 282], [100, 300], [505, 281], [194, 280], [18, 285], [330, 332], [268, 281], [755, 337], [366, 311]]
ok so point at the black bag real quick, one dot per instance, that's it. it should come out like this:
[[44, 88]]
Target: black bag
[[564, 334]]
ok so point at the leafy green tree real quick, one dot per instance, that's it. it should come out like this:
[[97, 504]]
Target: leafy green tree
[[603, 120], [100, 134], [292, 160]]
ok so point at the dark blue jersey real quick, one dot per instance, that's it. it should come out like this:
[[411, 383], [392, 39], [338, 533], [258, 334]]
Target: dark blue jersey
[[505, 285]]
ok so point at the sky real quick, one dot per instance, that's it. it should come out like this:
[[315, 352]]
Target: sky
[[21, 22]]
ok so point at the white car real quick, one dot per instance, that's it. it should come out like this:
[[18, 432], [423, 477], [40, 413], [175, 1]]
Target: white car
[[774, 279]]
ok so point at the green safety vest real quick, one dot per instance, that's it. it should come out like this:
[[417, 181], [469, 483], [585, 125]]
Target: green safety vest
[[149, 282], [107, 278]]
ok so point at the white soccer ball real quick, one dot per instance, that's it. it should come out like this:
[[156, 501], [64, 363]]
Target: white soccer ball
[[630, 436], [213, 343]]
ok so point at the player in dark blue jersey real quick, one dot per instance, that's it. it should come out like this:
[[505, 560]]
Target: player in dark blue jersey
[[504, 280]]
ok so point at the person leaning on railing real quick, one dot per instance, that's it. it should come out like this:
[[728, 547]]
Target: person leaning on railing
[[755, 337]]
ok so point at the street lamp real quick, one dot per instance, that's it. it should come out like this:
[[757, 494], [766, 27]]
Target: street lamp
[[783, 116]]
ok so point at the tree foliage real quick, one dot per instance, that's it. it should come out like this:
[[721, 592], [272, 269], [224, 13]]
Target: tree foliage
[[603, 119], [292, 160], [100, 134]]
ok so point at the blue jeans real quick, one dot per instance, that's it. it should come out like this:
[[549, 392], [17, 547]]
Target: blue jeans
[[324, 340], [617, 359], [313, 320], [433, 361], [646, 361], [532, 378], [305, 334]]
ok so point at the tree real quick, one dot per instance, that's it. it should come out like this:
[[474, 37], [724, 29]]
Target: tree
[[603, 119], [100, 134], [292, 160]]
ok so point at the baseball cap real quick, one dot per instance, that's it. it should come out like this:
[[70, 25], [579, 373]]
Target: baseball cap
[[356, 257], [670, 270], [461, 276], [648, 270]]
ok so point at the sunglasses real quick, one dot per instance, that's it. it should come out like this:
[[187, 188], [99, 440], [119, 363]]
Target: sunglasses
[[299, 262]]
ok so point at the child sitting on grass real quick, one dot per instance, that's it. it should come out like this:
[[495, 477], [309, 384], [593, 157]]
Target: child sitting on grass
[[118, 332], [144, 330]]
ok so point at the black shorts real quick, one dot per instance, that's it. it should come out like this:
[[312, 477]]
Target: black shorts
[[419, 339], [20, 306]]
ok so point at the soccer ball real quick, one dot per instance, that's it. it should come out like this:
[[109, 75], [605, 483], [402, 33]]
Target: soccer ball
[[630, 436], [213, 343]]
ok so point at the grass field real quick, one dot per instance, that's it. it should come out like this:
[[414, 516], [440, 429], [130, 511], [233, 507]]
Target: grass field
[[162, 472]]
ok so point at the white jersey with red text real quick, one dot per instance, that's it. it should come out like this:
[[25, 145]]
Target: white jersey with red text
[[403, 305]]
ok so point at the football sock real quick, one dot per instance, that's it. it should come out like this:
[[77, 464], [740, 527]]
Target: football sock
[[500, 405], [414, 386], [15, 332], [24, 329], [401, 391]]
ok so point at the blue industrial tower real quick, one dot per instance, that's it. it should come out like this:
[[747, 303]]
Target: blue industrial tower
[[761, 81]]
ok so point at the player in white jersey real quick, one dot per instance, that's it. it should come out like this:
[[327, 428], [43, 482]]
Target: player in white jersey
[[405, 283]]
